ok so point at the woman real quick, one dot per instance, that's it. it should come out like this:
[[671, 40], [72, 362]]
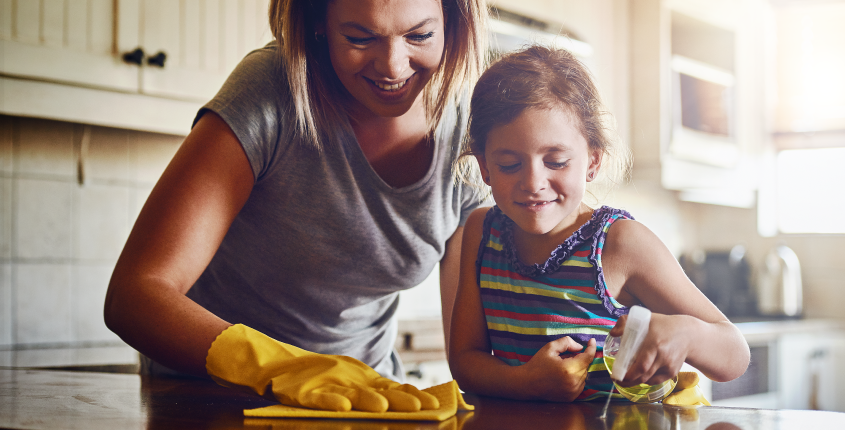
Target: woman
[[311, 189]]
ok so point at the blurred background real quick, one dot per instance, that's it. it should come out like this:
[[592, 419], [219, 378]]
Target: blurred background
[[734, 111]]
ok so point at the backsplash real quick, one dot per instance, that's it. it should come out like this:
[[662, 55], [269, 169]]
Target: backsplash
[[59, 238]]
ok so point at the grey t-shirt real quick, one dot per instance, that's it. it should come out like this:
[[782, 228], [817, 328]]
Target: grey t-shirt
[[318, 253]]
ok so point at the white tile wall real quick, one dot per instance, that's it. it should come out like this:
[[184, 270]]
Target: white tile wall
[[43, 303], [101, 221], [45, 148], [90, 282], [5, 218], [6, 315], [43, 218], [6, 131], [59, 239], [110, 157]]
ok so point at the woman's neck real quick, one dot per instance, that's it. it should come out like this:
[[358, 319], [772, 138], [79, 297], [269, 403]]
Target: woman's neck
[[397, 148]]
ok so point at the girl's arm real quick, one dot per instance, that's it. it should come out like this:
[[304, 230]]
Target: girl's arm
[[685, 325], [546, 376], [176, 234]]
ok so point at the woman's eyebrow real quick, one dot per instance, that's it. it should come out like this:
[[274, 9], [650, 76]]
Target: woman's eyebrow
[[359, 27]]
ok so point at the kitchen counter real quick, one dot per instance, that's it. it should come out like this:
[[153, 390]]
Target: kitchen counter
[[41, 399]]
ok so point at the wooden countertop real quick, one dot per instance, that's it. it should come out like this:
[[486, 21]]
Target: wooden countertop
[[40, 399]]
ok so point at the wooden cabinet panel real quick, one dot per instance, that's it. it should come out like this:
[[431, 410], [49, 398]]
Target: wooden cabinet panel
[[69, 42], [186, 31]]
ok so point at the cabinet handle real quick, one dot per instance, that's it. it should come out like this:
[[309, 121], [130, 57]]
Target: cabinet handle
[[134, 57], [157, 60]]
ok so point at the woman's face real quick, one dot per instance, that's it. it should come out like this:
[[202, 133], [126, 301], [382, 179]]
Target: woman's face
[[385, 51]]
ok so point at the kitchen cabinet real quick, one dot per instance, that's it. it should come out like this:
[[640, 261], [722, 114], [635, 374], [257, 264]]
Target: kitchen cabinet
[[793, 365], [64, 59], [722, 40]]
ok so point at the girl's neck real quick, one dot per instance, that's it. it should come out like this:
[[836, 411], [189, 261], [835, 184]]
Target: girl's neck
[[397, 148], [537, 248]]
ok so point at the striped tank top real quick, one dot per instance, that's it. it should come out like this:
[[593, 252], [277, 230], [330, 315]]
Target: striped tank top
[[527, 307]]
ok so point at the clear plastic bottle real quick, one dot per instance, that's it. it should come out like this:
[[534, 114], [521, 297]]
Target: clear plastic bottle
[[621, 352]]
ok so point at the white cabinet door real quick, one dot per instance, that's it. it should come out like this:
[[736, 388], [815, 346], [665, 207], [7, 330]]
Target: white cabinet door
[[64, 41], [201, 41]]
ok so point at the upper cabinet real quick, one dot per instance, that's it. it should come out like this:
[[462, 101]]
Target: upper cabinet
[[142, 64], [699, 84]]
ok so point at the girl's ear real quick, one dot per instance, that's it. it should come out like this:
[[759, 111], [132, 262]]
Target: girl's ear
[[595, 164], [482, 165]]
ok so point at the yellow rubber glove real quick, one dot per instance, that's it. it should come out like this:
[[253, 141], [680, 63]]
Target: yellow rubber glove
[[686, 392], [243, 357]]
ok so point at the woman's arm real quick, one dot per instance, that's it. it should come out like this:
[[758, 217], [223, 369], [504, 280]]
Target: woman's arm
[[546, 376], [685, 325], [174, 238]]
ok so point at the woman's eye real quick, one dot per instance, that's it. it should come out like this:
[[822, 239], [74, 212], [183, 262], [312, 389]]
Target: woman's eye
[[508, 168], [421, 37], [359, 40]]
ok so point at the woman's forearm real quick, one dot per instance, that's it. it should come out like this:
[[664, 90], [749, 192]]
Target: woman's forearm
[[163, 324]]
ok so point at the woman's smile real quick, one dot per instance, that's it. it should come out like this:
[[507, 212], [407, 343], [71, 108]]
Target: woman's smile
[[385, 52]]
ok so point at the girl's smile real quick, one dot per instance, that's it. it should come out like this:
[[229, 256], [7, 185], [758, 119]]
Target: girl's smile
[[537, 167]]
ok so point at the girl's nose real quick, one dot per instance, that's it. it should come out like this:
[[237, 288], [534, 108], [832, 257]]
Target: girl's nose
[[393, 60], [534, 179]]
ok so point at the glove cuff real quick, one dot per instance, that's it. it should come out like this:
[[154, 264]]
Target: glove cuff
[[244, 357]]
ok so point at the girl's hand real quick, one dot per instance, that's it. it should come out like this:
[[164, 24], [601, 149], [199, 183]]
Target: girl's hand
[[662, 352], [554, 378]]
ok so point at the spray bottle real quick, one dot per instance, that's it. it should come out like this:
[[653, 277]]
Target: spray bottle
[[620, 353]]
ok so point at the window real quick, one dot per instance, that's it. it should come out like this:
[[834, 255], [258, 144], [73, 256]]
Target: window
[[810, 188]]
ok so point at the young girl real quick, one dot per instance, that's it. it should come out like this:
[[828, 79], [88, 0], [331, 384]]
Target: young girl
[[544, 277]]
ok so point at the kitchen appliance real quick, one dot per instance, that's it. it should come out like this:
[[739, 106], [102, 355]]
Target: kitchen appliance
[[725, 278], [779, 289]]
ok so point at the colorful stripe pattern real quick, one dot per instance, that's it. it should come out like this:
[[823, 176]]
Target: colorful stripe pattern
[[528, 306]]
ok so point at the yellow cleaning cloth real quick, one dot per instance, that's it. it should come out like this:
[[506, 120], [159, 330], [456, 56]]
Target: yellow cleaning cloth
[[448, 394]]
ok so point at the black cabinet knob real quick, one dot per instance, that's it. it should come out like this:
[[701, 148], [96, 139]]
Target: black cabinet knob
[[157, 60], [134, 57]]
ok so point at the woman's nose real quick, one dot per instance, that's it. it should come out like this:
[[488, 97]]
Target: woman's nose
[[393, 60]]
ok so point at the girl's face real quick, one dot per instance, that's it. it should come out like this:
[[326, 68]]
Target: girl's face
[[385, 51], [538, 167]]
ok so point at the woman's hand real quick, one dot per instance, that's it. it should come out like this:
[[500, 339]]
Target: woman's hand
[[552, 377], [662, 352]]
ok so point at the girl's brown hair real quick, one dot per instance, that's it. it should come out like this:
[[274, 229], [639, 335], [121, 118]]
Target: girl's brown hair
[[542, 78], [317, 95]]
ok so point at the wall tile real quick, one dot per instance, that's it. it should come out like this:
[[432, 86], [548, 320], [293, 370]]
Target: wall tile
[[6, 314], [153, 153], [108, 157], [138, 197], [7, 125], [101, 221], [45, 148], [42, 300], [43, 219], [5, 218], [89, 294]]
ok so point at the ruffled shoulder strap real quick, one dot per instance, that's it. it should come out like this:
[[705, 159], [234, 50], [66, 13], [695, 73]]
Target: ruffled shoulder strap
[[604, 218]]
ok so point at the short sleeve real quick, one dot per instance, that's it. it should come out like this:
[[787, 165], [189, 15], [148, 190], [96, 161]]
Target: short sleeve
[[252, 103]]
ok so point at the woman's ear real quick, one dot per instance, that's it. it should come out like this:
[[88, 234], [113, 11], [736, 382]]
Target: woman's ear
[[482, 165]]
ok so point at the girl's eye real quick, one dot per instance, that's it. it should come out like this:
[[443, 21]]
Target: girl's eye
[[359, 40], [557, 165], [509, 168], [421, 37]]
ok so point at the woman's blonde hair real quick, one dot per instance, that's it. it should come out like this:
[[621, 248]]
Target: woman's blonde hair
[[318, 96]]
